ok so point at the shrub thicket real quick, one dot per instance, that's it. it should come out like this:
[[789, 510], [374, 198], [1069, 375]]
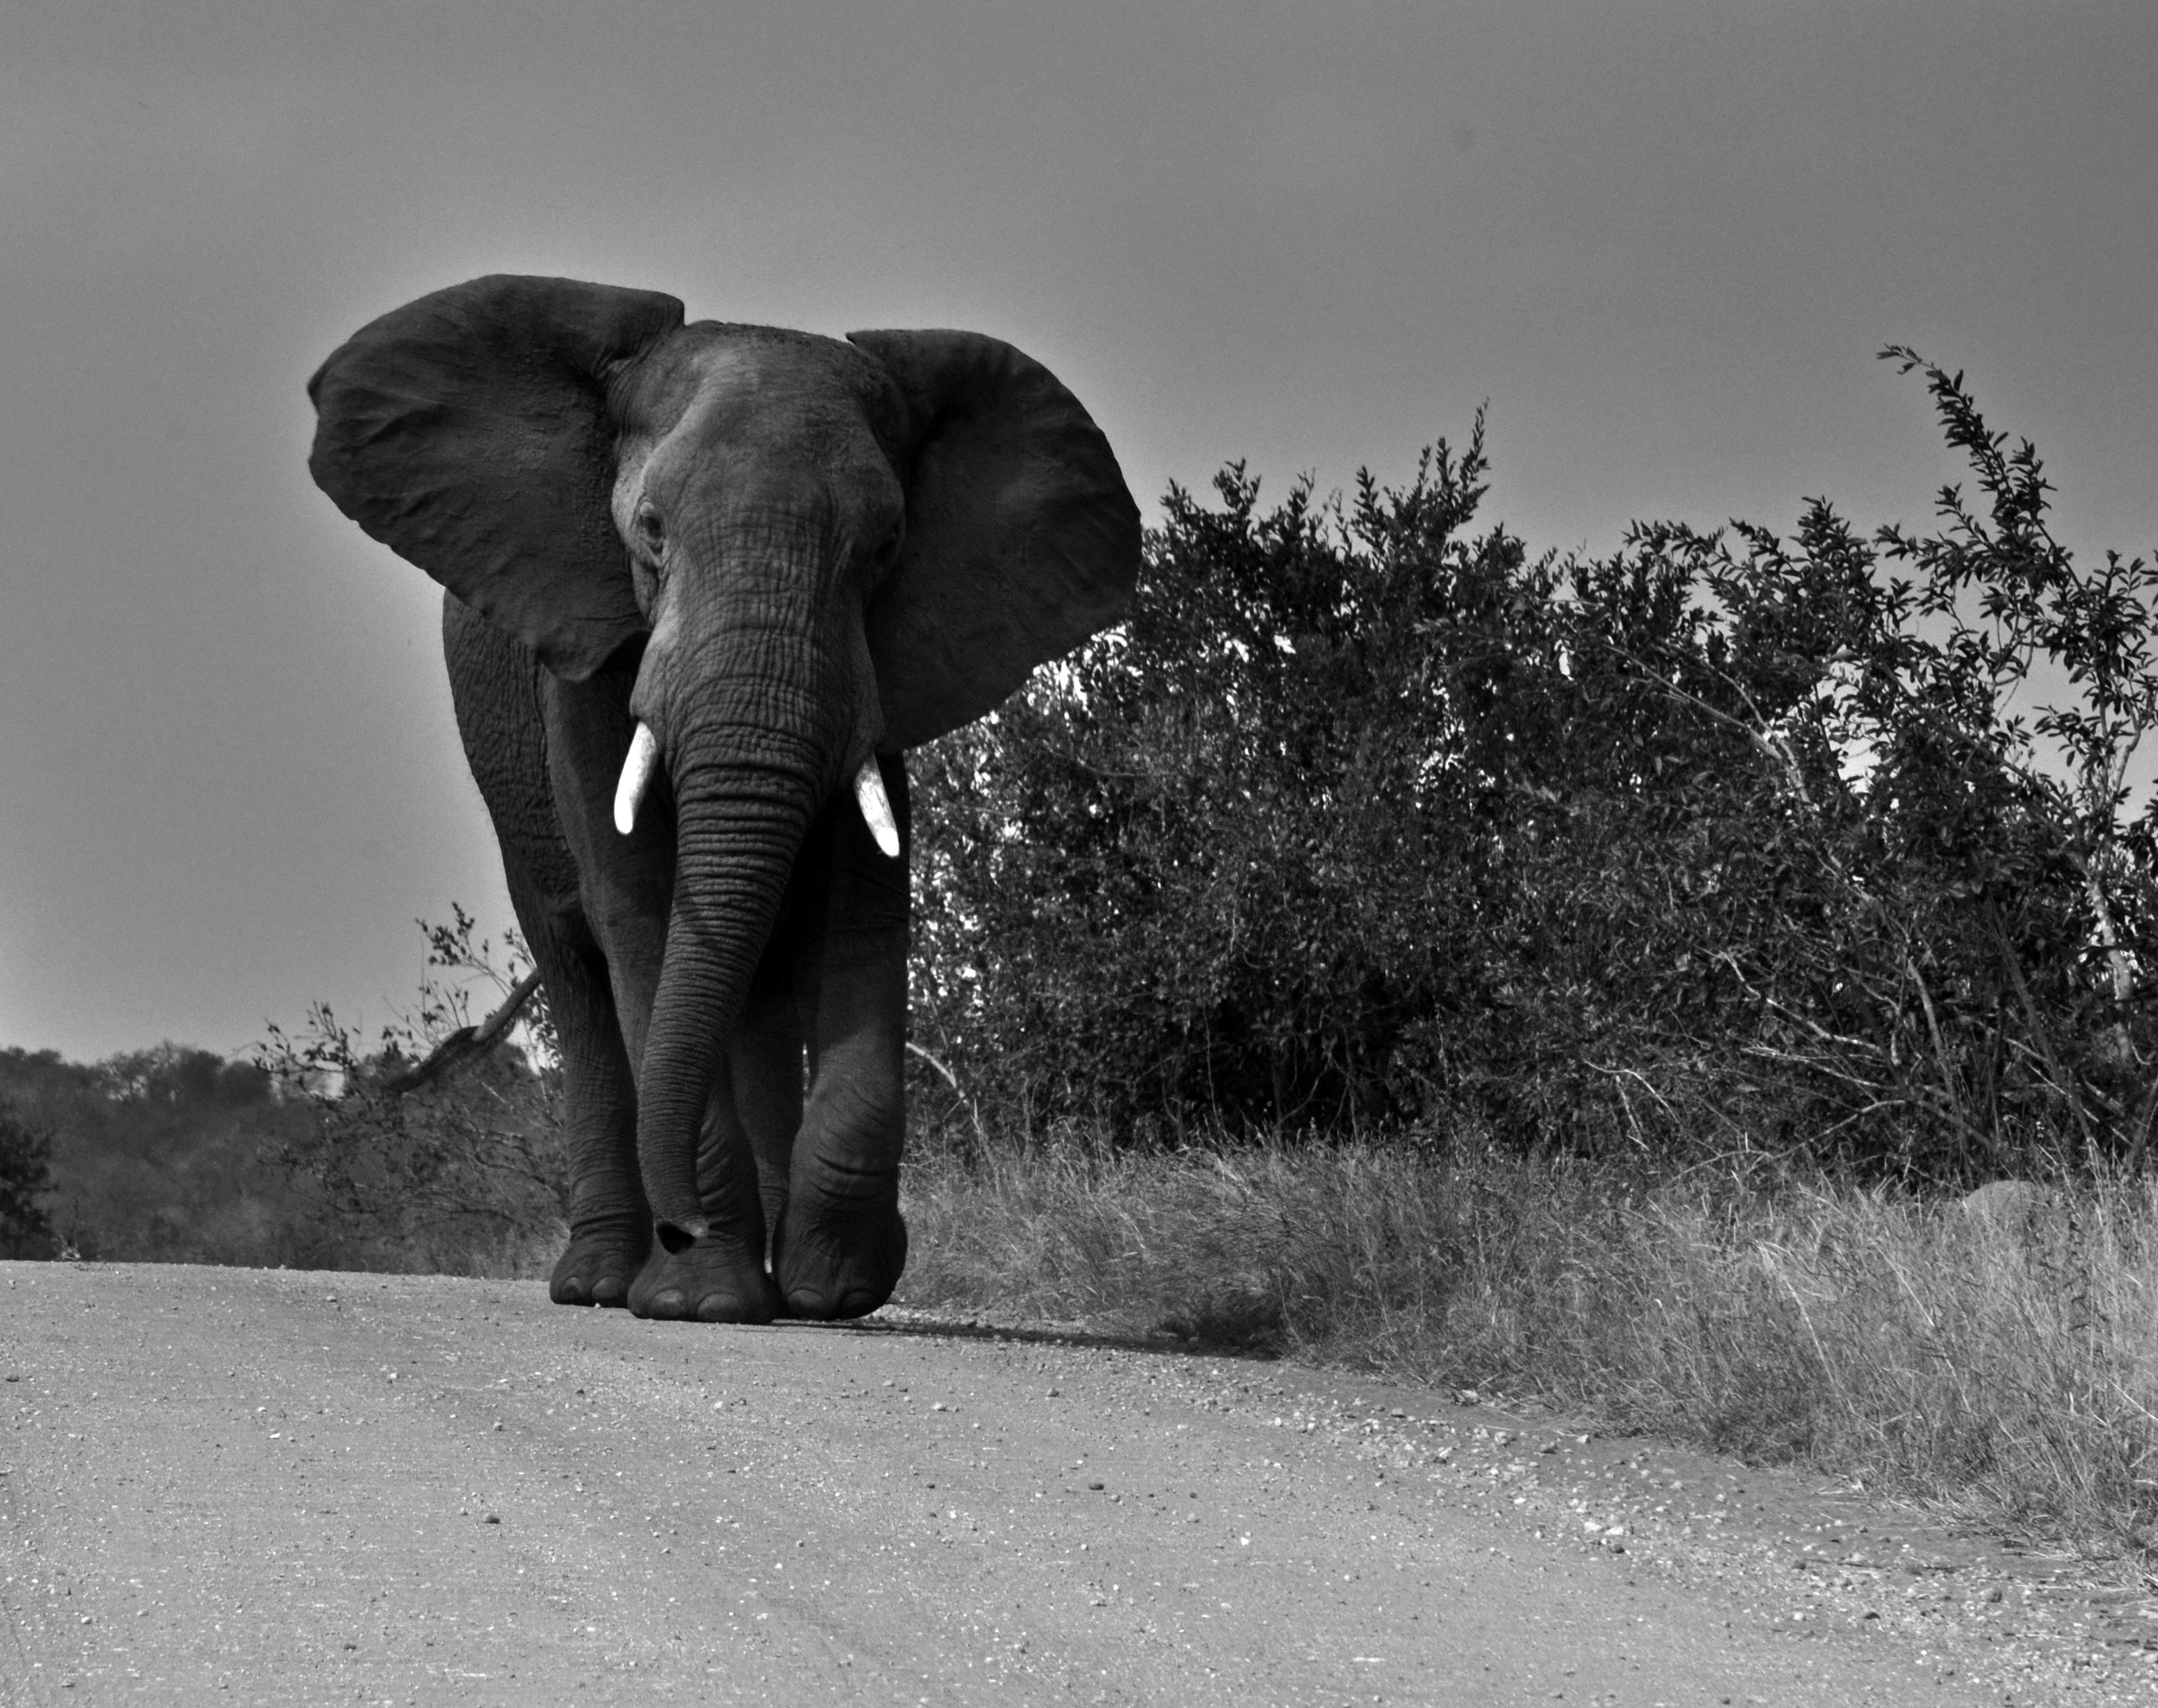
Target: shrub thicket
[[1366, 821]]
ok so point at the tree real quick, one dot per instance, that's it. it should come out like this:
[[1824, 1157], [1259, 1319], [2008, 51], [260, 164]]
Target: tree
[[25, 1177]]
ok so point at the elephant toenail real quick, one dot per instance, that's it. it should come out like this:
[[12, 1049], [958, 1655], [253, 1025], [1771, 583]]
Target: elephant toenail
[[712, 1308], [609, 1292]]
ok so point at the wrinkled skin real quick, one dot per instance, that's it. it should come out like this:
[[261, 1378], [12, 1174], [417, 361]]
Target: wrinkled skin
[[790, 557]]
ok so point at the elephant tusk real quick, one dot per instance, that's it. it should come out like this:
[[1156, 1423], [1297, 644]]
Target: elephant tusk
[[636, 776], [876, 806]]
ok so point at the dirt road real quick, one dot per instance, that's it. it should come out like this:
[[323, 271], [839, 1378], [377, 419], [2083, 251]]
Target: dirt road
[[230, 1486]]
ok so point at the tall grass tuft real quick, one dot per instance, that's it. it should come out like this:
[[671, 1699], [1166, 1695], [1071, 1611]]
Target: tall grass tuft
[[2005, 1365]]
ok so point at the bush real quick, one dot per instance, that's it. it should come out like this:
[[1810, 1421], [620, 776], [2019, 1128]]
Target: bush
[[463, 1171], [1365, 821]]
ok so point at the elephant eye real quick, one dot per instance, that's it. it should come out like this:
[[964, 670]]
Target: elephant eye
[[887, 551], [650, 532]]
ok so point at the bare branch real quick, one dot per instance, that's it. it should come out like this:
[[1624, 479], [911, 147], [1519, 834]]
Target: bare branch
[[467, 1042]]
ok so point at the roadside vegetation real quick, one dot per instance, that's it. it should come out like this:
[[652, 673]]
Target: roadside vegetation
[[1600, 981]]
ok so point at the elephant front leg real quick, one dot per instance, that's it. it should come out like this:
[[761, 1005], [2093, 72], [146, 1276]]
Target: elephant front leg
[[511, 714], [842, 1243], [610, 1223], [610, 1227]]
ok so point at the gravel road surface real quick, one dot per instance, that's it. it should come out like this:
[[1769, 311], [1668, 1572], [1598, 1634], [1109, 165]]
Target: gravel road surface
[[238, 1486]]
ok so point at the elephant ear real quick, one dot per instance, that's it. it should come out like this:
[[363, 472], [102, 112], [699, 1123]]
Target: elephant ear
[[468, 431], [1021, 538]]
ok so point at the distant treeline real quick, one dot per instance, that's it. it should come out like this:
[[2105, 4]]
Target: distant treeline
[[157, 1155], [305, 1156]]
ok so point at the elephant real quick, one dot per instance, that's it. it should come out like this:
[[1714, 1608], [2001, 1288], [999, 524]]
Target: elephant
[[704, 585]]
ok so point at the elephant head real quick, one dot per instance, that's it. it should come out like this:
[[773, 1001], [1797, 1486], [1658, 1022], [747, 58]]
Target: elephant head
[[812, 550]]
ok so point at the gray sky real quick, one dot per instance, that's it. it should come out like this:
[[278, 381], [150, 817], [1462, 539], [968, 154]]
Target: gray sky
[[1664, 240]]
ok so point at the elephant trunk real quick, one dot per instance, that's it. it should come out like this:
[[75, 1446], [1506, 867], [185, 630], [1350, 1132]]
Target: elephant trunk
[[744, 797]]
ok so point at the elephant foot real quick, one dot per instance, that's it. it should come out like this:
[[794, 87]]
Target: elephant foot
[[842, 1263], [712, 1280], [598, 1267]]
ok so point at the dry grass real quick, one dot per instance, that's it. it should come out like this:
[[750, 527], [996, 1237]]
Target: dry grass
[[471, 1248], [515, 1254], [2009, 1368]]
